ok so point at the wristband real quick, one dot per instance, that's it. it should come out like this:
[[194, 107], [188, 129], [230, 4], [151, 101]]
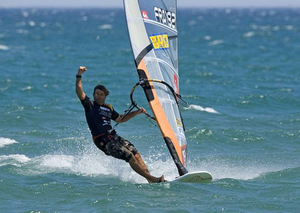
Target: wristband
[[78, 76]]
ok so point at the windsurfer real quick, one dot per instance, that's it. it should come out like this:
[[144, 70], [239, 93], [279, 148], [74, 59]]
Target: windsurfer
[[98, 115]]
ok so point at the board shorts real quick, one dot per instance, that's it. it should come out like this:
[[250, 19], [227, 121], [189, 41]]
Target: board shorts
[[114, 145]]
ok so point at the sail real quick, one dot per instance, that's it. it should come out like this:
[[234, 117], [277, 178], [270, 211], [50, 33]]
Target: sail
[[152, 28]]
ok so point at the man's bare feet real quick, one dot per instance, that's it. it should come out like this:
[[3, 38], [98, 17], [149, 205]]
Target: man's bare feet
[[161, 179]]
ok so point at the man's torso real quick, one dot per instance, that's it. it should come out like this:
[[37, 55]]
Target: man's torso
[[98, 116]]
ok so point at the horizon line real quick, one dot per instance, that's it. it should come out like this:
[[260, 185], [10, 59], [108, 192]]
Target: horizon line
[[120, 7]]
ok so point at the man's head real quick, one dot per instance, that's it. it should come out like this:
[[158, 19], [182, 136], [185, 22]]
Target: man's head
[[100, 93], [102, 88]]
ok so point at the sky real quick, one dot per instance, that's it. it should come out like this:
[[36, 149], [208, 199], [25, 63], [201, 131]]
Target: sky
[[119, 3]]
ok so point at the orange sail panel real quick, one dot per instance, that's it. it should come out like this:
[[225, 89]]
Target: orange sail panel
[[160, 116]]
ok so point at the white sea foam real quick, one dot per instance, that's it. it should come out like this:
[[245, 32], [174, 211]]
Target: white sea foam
[[15, 160], [6, 141], [215, 42], [105, 27], [223, 168], [200, 108], [92, 162], [57, 161], [207, 38], [3, 47], [31, 23], [249, 34], [289, 27], [88, 164], [27, 88]]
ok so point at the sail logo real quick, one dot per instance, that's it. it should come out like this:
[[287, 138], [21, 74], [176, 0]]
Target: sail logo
[[178, 122], [165, 17], [160, 41], [176, 83], [145, 14]]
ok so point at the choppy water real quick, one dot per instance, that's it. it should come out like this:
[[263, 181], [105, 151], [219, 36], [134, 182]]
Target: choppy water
[[239, 71]]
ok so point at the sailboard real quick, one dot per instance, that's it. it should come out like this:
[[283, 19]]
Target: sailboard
[[152, 27], [194, 177]]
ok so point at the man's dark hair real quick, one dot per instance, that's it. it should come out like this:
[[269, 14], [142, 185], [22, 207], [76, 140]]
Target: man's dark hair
[[102, 88]]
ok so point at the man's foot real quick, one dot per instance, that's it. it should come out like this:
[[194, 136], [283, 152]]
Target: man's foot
[[161, 179]]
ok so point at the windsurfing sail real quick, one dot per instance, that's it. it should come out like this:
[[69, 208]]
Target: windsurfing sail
[[152, 27]]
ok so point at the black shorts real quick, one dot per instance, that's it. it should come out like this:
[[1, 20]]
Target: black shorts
[[116, 146]]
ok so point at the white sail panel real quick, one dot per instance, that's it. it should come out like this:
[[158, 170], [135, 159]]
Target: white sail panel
[[136, 27]]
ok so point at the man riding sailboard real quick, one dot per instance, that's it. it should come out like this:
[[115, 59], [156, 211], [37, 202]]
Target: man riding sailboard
[[98, 116]]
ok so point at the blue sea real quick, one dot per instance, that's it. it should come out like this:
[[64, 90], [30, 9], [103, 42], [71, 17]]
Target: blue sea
[[239, 71]]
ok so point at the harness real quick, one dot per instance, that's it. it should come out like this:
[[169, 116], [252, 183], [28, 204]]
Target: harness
[[109, 134]]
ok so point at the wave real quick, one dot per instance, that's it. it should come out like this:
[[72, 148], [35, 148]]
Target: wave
[[4, 47], [105, 27], [200, 108], [14, 160], [89, 162], [242, 170], [95, 164], [215, 42], [287, 174], [249, 34], [6, 141]]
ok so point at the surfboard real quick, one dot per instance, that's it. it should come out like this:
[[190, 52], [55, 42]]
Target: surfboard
[[194, 177]]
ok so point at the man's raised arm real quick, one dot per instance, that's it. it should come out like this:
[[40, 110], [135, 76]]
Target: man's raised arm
[[79, 90]]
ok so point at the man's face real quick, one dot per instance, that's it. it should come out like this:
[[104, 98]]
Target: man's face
[[99, 97]]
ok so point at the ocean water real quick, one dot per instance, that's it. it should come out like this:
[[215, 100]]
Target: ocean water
[[239, 71]]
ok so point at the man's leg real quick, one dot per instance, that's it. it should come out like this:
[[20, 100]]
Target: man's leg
[[125, 151], [141, 162], [138, 168]]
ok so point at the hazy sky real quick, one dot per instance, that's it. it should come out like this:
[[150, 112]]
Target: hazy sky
[[119, 3]]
